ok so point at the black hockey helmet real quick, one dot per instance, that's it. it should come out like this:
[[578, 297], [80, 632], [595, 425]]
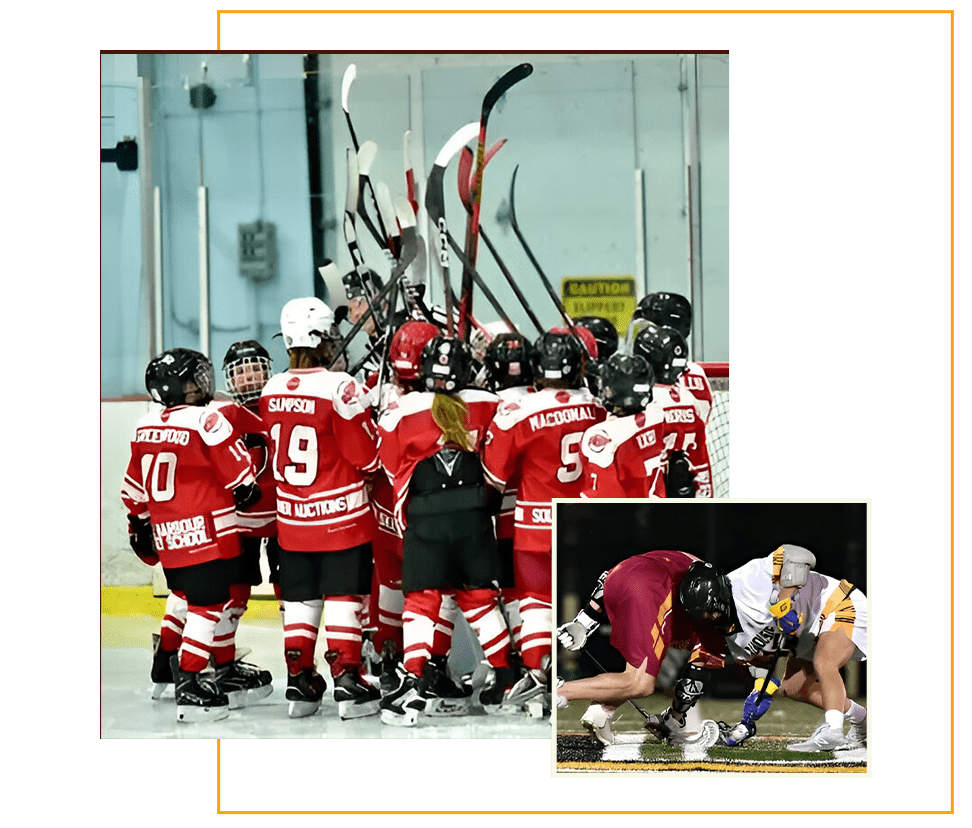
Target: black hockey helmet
[[168, 374], [366, 282], [706, 595], [508, 361], [246, 368], [625, 383], [605, 334], [558, 356], [670, 310], [447, 365], [666, 351]]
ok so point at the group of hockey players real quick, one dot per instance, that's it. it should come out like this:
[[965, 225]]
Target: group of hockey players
[[770, 607], [391, 500]]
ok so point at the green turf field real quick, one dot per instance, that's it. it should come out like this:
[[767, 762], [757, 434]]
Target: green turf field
[[636, 750]]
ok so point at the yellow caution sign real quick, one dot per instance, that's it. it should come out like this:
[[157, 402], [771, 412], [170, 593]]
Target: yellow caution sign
[[612, 297]]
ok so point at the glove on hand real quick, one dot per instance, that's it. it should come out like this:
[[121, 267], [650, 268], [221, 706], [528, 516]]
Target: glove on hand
[[750, 711], [786, 617], [740, 733], [140, 539], [574, 634]]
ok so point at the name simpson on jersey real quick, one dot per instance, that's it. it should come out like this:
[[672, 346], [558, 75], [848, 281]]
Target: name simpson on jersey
[[561, 416], [285, 404]]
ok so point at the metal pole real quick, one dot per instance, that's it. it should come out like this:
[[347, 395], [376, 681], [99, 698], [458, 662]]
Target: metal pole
[[204, 270], [157, 271], [146, 211]]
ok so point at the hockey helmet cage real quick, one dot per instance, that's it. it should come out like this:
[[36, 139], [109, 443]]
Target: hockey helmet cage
[[671, 310], [557, 356], [604, 332], [706, 595], [306, 322], [168, 374], [405, 351], [446, 365], [625, 383], [666, 351], [246, 368], [508, 361]]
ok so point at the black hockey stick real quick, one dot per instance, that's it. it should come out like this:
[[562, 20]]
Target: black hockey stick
[[351, 236], [465, 165], [435, 205], [496, 91]]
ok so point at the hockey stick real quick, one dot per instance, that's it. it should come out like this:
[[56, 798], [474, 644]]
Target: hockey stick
[[496, 91], [351, 236], [412, 187], [435, 205], [604, 670], [465, 165]]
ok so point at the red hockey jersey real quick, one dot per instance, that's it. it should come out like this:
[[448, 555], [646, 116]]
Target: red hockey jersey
[[685, 431], [694, 380], [185, 463], [409, 435], [535, 440], [260, 519], [324, 445], [623, 455]]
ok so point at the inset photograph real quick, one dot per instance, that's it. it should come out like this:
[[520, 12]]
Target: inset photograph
[[727, 635]]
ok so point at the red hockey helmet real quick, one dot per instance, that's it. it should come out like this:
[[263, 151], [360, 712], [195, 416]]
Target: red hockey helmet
[[405, 351]]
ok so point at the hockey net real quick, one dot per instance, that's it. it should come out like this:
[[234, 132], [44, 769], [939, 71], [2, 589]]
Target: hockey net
[[717, 431]]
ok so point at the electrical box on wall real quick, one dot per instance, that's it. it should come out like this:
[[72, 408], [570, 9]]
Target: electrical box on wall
[[258, 251]]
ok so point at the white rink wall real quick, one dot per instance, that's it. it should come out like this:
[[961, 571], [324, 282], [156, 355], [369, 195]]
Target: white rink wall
[[119, 565]]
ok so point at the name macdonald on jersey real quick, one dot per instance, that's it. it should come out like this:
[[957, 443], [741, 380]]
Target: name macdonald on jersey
[[162, 435], [679, 415], [301, 405], [561, 416]]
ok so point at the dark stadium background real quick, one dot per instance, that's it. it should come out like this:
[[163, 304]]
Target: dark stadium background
[[594, 536]]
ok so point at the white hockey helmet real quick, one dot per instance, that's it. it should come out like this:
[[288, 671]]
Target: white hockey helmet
[[306, 322]]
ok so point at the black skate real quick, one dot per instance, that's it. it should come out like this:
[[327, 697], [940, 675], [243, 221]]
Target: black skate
[[509, 696], [389, 680], [304, 693], [161, 667], [198, 698], [443, 696], [243, 683], [355, 697], [402, 706]]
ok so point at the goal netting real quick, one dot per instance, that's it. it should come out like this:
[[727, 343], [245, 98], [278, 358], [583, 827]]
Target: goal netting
[[717, 431]]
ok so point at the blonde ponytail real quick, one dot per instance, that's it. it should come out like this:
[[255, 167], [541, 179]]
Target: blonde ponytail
[[451, 416]]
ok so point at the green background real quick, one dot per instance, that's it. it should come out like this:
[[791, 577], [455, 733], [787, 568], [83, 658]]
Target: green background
[[840, 297]]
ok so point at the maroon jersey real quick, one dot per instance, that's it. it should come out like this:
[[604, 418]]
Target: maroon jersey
[[535, 440], [324, 446], [185, 463], [409, 435], [623, 455], [685, 431], [260, 519], [641, 601]]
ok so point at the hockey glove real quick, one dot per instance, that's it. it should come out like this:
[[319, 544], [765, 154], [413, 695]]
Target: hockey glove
[[140, 538], [245, 495], [679, 480], [740, 733], [574, 635], [786, 617], [750, 711]]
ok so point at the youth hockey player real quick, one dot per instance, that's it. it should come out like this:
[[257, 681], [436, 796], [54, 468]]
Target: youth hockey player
[[687, 468], [187, 476], [534, 444], [429, 447], [325, 446]]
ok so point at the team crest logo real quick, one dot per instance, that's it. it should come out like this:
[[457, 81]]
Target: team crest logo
[[349, 393], [211, 421], [562, 397], [598, 442], [165, 416], [640, 419], [292, 383]]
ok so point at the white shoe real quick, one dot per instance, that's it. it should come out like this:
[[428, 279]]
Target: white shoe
[[597, 720], [825, 738], [857, 734]]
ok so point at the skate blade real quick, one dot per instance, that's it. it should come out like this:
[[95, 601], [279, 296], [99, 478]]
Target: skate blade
[[514, 710], [406, 719], [158, 690], [439, 708], [193, 715], [241, 698], [352, 710], [300, 709]]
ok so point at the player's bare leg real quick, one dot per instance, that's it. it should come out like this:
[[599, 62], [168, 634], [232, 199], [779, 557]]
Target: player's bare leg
[[821, 685], [612, 689]]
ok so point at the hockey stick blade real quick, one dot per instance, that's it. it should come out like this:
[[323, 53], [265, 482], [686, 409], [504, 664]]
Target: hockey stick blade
[[349, 75]]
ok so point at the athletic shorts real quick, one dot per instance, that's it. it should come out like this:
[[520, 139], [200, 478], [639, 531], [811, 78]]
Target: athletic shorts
[[456, 549], [504, 548], [842, 611], [309, 576], [205, 584]]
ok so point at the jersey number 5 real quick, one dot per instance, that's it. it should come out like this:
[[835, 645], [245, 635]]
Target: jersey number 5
[[570, 457]]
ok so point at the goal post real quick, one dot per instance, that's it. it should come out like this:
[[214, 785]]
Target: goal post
[[717, 430]]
